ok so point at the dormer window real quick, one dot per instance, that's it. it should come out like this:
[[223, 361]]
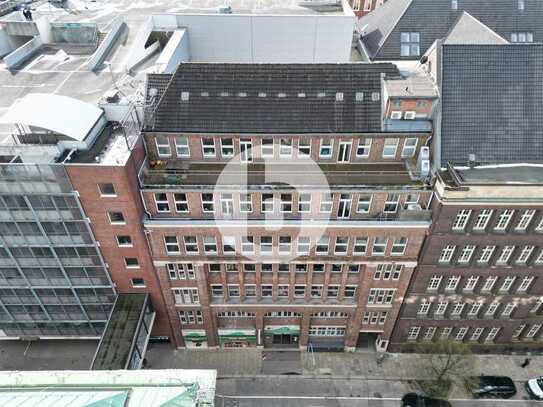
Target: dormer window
[[410, 44], [359, 96], [185, 96], [339, 97], [454, 4], [521, 4], [281, 95], [261, 94]]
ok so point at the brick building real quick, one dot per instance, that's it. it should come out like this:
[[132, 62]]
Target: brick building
[[363, 7], [478, 276], [279, 213]]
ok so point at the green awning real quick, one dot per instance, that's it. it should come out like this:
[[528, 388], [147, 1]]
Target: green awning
[[226, 338], [195, 337], [282, 330]]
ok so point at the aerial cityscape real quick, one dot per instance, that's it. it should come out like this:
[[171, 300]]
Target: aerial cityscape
[[241, 203]]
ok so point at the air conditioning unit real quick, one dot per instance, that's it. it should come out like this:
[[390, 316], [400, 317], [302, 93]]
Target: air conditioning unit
[[396, 115], [410, 115]]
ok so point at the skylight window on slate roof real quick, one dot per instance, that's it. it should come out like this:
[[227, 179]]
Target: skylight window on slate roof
[[521, 4], [261, 94], [185, 96], [375, 96], [242, 94], [225, 94], [204, 94], [321, 94], [281, 95], [301, 95], [359, 96], [339, 96]]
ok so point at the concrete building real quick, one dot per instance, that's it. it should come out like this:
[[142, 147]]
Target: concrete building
[[317, 246], [478, 278]]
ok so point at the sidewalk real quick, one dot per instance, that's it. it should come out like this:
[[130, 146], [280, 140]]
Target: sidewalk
[[389, 366]]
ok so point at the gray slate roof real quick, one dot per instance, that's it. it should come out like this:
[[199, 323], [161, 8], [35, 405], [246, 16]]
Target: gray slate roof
[[491, 103], [268, 98], [433, 19]]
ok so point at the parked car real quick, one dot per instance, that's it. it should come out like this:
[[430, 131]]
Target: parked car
[[534, 387], [418, 400], [492, 386]]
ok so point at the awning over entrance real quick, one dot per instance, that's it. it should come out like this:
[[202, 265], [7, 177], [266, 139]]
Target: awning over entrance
[[282, 330], [237, 334], [195, 335]]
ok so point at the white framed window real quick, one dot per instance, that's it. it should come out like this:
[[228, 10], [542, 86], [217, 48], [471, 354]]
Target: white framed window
[[461, 333], [452, 283], [457, 309], [161, 200], [471, 282], [344, 207], [446, 254], [316, 291], [409, 147], [249, 268], [522, 37], [304, 243], [245, 203], [505, 255], [266, 290], [208, 148], [246, 150], [424, 307], [379, 246], [282, 290], [525, 284], [325, 150], [411, 199], [181, 202], [326, 203], [489, 283], [341, 245], [508, 309], [434, 283], [390, 147], [304, 203], [476, 334], [163, 146], [107, 190], [227, 204], [285, 147], [227, 147], [413, 333], [381, 296], [228, 244], [375, 96], [266, 268], [429, 334], [520, 4], [539, 227], [461, 220], [466, 253], [486, 254], [208, 204], [391, 203], [409, 44], [267, 203], [518, 331], [359, 96], [537, 305], [364, 203], [492, 334], [539, 259], [210, 245], [191, 244], [286, 203], [525, 220], [233, 290], [322, 245], [266, 244], [360, 245], [172, 245], [474, 309], [285, 244], [186, 295], [247, 244], [191, 317], [250, 290], [533, 331], [124, 241], [503, 219], [399, 246], [524, 255], [182, 148], [363, 148], [491, 310], [445, 333], [267, 148], [507, 283], [482, 219], [327, 331], [441, 308], [299, 291], [304, 147], [332, 291]]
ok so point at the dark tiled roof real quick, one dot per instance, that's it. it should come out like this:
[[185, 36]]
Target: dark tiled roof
[[433, 19], [258, 98], [491, 103]]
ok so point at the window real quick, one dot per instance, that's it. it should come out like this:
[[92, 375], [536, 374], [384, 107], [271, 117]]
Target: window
[[461, 220], [446, 254], [398, 246], [247, 244], [521, 4], [525, 284], [359, 96], [227, 147], [489, 283], [180, 271], [266, 244], [445, 333], [440, 309], [413, 333], [391, 203], [322, 245], [325, 150], [508, 310], [233, 290], [491, 310], [181, 202], [231, 267], [245, 203], [533, 331], [452, 283], [316, 291], [380, 296], [208, 147], [250, 290], [409, 44], [286, 203], [364, 204], [326, 203], [363, 148], [191, 317], [485, 255], [249, 268], [116, 218], [163, 146], [518, 331], [284, 268], [390, 147], [227, 204], [360, 245], [267, 148], [172, 246], [349, 291], [352, 268], [282, 291], [344, 207], [492, 334], [326, 331], [522, 37], [503, 259], [474, 309], [457, 309], [379, 246], [410, 200], [332, 291], [304, 203], [210, 245], [524, 255], [284, 244], [191, 244], [476, 334], [429, 334], [266, 268], [461, 333], [387, 271], [424, 307], [138, 283], [285, 148], [182, 148], [161, 200], [374, 318], [131, 262], [299, 291], [341, 245], [228, 244], [266, 290], [208, 205], [267, 203], [334, 268], [539, 227], [482, 219], [409, 147], [504, 219], [107, 190], [465, 254], [471, 282], [303, 244], [124, 241], [186, 296], [537, 305], [525, 220], [507, 284], [304, 147], [454, 4], [375, 96], [434, 283]]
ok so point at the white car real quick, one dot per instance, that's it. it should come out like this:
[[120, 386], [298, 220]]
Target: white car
[[534, 387]]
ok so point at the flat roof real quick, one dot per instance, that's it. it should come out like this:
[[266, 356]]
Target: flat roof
[[411, 86], [501, 174]]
